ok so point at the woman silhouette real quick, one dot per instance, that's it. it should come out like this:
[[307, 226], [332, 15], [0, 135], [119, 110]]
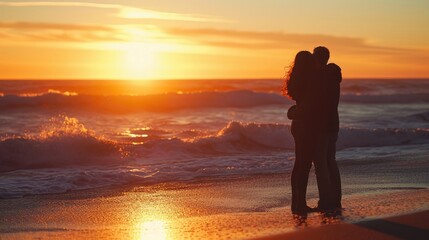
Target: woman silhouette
[[302, 85]]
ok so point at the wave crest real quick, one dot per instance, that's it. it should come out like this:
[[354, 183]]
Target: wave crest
[[238, 138], [66, 142], [63, 142]]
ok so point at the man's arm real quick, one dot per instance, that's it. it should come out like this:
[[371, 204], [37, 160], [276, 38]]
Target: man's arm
[[334, 73]]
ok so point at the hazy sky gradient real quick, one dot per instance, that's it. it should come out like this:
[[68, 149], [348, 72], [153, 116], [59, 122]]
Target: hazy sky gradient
[[167, 39]]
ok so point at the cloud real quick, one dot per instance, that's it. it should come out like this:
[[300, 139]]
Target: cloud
[[122, 11], [250, 41], [52, 26], [277, 40], [36, 31]]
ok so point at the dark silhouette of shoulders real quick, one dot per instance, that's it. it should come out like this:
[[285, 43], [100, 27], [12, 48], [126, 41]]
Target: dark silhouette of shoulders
[[333, 73]]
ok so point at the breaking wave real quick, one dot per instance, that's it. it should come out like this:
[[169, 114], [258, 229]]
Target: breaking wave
[[240, 137], [61, 143], [71, 144], [66, 156]]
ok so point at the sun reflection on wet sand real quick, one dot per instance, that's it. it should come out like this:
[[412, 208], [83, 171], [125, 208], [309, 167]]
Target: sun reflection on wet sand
[[152, 218]]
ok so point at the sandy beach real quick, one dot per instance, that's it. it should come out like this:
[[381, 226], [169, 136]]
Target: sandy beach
[[235, 208]]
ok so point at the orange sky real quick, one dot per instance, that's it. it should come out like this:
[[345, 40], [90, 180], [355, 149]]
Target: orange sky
[[166, 39]]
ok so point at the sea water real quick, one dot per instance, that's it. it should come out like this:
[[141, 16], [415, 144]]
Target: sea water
[[58, 136]]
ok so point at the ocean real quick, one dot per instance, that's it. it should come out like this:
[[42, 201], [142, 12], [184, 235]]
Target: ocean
[[61, 135]]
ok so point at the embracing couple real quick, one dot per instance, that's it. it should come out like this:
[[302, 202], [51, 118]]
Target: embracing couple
[[315, 86]]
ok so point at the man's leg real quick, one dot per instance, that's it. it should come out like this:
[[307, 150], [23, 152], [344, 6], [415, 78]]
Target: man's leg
[[322, 171], [333, 169]]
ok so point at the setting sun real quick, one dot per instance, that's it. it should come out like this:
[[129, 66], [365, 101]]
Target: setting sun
[[140, 61]]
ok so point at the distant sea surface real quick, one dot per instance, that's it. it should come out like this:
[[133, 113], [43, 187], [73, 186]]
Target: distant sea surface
[[58, 136]]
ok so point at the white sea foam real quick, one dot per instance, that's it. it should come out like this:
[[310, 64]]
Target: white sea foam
[[43, 181]]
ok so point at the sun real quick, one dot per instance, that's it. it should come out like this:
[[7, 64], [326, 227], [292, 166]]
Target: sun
[[139, 61]]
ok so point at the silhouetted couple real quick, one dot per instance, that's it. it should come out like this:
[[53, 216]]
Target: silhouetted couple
[[315, 86]]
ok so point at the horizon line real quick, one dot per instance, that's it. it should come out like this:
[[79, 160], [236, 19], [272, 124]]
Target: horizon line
[[199, 79]]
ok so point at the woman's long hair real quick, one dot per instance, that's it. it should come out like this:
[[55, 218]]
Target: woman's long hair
[[301, 72]]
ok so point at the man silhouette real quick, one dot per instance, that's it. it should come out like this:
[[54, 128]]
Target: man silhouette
[[330, 75]]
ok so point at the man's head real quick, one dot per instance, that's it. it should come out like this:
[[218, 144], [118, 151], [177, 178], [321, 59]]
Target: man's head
[[321, 54]]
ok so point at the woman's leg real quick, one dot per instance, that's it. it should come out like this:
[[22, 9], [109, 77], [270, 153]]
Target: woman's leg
[[299, 181], [295, 170], [300, 172]]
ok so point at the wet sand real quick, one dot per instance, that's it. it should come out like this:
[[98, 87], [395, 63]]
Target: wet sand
[[410, 226], [236, 208]]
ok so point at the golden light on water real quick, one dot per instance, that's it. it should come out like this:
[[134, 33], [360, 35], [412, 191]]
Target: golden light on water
[[137, 136]]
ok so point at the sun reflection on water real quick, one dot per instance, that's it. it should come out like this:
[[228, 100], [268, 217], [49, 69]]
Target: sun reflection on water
[[138, 135]]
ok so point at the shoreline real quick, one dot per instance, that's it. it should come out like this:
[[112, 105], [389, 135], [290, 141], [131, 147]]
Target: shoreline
[[243, 208]]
